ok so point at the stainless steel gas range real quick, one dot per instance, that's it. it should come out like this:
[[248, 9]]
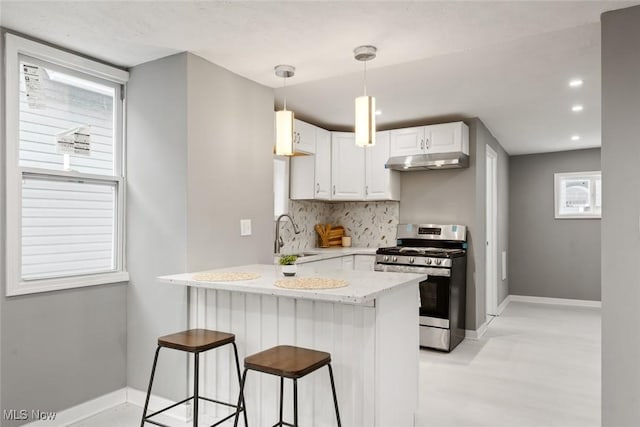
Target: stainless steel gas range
[[440, 252]]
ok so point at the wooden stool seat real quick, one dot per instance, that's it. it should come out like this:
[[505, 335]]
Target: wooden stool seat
[[196, 340], [287, 361]]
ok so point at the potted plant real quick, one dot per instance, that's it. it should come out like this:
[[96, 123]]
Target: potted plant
[[288, 263]]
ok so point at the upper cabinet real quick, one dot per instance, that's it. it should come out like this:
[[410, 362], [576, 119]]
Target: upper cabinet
[[304, 137], [447, 138], [380, 183], [311, 175], [347, 167], [408, 141], [441, 138]]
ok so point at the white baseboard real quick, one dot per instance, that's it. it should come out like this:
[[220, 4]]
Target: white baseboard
[[555, 301], [478, 333], [137, 397], [84, 410], [111, 400], [505, 302]]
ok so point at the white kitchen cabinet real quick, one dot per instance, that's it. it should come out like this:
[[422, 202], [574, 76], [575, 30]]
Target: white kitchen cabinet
[[432, 139], [447, 138], [380, 183], [364, 262], [347, 167], [347, 262], [407, 141], [304, 137], [310, 176], [323, 164]]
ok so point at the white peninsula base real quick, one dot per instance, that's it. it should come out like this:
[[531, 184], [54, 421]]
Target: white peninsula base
[[374, 346]]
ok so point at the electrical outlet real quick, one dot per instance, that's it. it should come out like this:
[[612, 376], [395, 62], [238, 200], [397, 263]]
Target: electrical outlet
[[245, 227]]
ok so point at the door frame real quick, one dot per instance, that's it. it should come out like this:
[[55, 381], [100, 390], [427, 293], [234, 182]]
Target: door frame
[[491, 232]]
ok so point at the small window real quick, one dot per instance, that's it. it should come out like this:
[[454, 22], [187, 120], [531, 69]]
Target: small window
[[578, 195], [65, 175]]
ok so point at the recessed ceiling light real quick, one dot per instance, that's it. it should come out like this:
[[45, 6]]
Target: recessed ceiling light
[[575, 137], [575, 83], [577, 108], [378, 112]]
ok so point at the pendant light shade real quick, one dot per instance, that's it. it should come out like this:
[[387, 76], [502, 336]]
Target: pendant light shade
[[365, 126], [284, 117], [284, 133], [365, 121]]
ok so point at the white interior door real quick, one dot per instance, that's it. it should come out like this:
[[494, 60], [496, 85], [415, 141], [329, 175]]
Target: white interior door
[[491, 279]]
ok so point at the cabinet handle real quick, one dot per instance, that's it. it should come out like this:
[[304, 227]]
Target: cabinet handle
[[422, 144], [428, 145], [334, 190], [297, 138], [317, 187], [366, 190]]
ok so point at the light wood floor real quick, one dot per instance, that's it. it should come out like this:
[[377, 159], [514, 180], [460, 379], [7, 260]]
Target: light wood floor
[[537, 366]]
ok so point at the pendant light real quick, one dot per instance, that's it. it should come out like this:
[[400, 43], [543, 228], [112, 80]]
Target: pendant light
[[284, 118], [365, 105]]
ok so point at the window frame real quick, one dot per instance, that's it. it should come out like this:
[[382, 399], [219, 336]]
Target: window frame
[[587, 175], [16, 46]]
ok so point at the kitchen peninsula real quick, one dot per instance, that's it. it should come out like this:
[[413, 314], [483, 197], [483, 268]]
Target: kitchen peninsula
[[370, 327]]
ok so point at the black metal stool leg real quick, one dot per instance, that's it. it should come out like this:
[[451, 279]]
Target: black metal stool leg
[[295, 402], [335, 398], [196, 378], [281, 398], [244, 406], [241, 398], [153, 372]]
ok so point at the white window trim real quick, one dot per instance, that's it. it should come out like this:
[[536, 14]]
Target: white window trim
[[15, 46], [557, 177]]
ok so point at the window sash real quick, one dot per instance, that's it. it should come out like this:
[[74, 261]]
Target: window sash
[[14, 47]]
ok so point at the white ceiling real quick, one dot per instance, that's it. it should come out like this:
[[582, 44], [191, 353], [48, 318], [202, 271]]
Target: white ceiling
[[506, 62]]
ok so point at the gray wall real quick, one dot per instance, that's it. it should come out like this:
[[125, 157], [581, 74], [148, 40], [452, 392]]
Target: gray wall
[[556, 258], [156, 219], [61, 348], [230, 174], [458, 197], [199, 160], [621, 209]]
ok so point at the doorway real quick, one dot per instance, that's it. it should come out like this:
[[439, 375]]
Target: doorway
[[491, 270]]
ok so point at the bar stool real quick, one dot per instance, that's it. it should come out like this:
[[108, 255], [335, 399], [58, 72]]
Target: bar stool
[[195, 341], [290, 362]]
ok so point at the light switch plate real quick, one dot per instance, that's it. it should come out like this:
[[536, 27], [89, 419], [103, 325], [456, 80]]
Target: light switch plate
[[245, 227]]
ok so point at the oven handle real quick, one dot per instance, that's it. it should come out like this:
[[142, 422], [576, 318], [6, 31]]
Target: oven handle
[[431, 271]]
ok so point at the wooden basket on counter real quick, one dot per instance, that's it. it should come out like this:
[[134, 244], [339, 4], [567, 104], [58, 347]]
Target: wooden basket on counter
[[329, 236]]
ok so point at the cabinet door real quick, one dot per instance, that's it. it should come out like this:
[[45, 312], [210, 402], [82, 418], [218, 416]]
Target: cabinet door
[[304, 137], [347, 167], [447, 138], [322, 186], [407, 141], [302, 178], [347, 262], [380, 183]]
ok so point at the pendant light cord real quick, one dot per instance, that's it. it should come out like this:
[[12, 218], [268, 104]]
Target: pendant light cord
[[365, 78], [284, 91]]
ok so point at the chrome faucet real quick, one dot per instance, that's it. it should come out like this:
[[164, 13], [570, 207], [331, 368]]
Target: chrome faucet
[[278, 243]]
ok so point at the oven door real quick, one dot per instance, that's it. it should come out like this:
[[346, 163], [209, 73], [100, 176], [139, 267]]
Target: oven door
[[434, 301]]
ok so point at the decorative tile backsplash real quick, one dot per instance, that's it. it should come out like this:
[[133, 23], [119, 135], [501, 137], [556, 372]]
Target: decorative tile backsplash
[[370, 224]]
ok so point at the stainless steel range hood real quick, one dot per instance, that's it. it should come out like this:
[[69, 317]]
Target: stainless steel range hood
[[454, 160]]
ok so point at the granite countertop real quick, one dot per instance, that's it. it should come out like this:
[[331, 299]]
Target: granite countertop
[[318, 254], [364, 286]]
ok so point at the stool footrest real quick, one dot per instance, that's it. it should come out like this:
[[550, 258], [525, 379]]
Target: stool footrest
[[238, 410], [283, 424], [168, 407]]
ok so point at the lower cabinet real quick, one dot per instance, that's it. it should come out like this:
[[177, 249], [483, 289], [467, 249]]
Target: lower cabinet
[[364, 262], [346, 262]]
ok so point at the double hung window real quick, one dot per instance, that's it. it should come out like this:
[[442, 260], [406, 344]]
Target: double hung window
[[64, 169]]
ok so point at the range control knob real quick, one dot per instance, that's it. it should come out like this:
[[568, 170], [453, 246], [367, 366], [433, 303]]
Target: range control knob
[[386, 257], [428, 261], [438, 261], [395, 259], [412, 260]]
